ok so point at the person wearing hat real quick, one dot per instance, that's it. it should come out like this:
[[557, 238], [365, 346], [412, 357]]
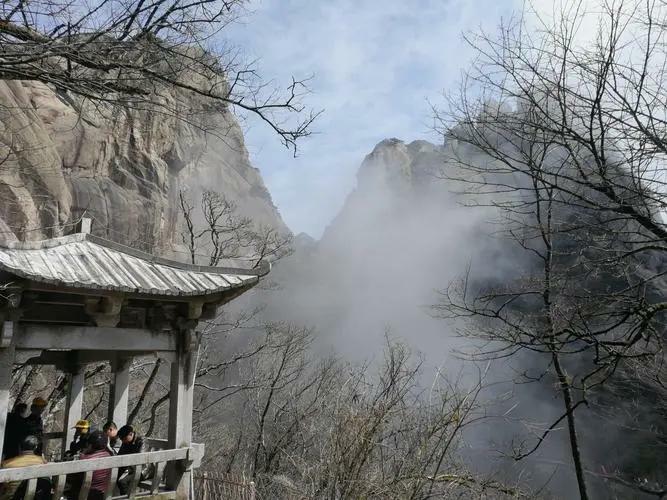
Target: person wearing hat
[[80, 441], [34, 425]]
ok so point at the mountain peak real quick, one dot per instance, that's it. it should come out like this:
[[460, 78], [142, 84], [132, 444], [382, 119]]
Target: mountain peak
[[395, 164]]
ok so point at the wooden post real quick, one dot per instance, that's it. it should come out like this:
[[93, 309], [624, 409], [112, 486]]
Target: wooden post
[[180, 411], [119, 390], [74, 404], [7, 352]]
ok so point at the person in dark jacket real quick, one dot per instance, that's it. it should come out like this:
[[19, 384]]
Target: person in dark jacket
[[131, 442], [15, 431], [34, 423]]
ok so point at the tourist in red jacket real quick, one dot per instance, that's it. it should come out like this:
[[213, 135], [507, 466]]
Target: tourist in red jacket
[[97, 448]]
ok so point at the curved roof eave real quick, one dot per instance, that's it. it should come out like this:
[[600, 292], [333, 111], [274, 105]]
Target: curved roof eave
[[84, 261]]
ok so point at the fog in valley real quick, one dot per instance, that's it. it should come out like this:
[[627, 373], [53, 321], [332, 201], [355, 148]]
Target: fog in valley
[[381, 268]]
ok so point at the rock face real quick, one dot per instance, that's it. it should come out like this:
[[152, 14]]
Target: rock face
[[64, 157], [392, 181]]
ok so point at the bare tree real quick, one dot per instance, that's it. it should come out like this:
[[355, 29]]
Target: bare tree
[[212, 232], [586, 102], [327, 429], [561, 139], [136, 54], [217, 232]]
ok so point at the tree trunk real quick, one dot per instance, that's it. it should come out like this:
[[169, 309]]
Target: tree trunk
[[571, 426]]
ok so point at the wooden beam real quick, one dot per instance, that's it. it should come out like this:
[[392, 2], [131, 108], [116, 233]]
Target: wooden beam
[[6, 364], [220, 297], [73, 406], [55, 313], [65, 299], [120, 390], [87, 338], [60, 358]]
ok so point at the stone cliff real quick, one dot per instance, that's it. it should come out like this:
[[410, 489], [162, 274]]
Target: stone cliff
[[394, 179], [62, 157]]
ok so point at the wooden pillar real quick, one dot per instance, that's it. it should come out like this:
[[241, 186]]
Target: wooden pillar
[[180, 411], [74, 404], [7, 351], [120, 390]]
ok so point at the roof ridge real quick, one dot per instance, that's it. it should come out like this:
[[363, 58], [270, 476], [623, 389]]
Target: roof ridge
[[259, 271]]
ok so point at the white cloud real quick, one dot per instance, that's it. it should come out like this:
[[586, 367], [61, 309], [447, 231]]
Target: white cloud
[[375, 64]]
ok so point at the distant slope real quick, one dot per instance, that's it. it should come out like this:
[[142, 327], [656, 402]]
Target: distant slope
[[400, 238]]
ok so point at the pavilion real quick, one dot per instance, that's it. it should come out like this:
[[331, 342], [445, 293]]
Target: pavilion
[[81, 299]]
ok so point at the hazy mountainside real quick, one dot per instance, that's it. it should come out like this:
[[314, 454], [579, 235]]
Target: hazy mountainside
[[399, 237], [63, 157], [393, 171], [402, 237]]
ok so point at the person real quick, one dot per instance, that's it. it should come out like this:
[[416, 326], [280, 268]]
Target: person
[[33, 422], [111, 431], [28, 456], [80, 441], [131, 442], [15, 430], [97, 448]]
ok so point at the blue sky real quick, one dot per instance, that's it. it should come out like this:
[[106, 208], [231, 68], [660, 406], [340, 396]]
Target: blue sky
[[376, 65]]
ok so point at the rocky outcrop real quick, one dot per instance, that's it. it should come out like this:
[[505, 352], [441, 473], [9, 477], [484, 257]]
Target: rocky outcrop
[[393, 180], [64, 157], [398, 237]]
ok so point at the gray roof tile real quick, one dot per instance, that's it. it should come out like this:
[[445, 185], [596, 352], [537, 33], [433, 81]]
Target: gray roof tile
[[88, 262]]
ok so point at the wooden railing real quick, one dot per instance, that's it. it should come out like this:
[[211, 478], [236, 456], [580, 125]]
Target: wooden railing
[[188, 458], [219, 485]]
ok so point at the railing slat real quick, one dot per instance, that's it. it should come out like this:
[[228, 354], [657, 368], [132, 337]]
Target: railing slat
[[216, 485], [112, 484], [59, 487], [85, 487], [159, 472], [136, 477], [30, 490]]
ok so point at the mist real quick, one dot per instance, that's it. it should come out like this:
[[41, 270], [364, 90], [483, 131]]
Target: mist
[[402, 237]]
